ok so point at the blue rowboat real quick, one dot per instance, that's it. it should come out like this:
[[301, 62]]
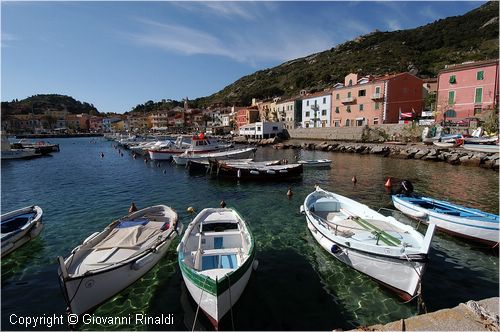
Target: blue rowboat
[[451, 218]]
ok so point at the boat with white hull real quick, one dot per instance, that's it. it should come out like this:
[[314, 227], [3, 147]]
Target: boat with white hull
[[451, 218], [216, 257], [316, 163], [199, 144], [182, 159], [486, 148], [392, 253], [19, 227], [109, 261], [8, 153]]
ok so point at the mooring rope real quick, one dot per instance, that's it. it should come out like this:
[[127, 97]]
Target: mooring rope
[[199, 304]]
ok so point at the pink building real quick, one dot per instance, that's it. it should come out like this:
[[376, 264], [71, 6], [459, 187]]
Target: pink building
[[368, 100], [466, 90]]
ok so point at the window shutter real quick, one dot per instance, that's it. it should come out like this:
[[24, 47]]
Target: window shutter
[[453, 79]]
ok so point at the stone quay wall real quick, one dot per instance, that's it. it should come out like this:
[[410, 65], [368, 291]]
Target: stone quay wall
[[454, 156], [356, 134]]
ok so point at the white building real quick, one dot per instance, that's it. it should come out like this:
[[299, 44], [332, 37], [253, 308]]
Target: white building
[[261, 129], [316, 109]]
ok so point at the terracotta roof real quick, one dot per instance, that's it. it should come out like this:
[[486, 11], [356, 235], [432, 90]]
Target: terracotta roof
[[457, 67], [317, 94]]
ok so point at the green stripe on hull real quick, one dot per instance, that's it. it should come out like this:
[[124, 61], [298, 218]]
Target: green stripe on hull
[[211, 286]]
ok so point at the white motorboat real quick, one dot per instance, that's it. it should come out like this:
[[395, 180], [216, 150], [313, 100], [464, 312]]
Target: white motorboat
[[183, 158], [216, 256], [199, 144], [8, 153], [392, 253], [19, 227], [109, 261], [317, 163]]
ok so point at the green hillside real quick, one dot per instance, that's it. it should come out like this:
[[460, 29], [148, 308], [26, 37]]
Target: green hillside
[[422, 51], [38, 104]]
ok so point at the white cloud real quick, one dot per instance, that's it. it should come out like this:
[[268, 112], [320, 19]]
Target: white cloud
[[393, 24], [6, 38], [249, 45], [429, 13], [230, 10]]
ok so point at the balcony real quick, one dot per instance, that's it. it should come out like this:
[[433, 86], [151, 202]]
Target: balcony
[[376, 96], [348, 100]]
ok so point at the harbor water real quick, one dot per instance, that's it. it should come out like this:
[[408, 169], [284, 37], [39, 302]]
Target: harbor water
[[297, 286]]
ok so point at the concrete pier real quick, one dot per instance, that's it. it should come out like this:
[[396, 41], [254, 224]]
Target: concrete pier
[[463, 317]]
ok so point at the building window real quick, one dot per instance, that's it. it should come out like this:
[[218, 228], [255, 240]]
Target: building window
[[361, 93], [348, 95], [323, 123], [323, 112], [359, 123], [308, 113], [324, 100], [307, 124], [348, 109], [360, 107], [479, 95], [450, 114], [377, 106], [337, 110], [477, 110], [451, 97], [274, 128], [347, 123], [336, 123], [377, 90], [480, 75], [315, 102], [337, 96], [375, 121], [307, 103], [350, 82], [453, 79]]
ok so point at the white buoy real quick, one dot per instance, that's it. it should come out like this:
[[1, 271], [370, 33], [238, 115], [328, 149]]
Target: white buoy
[[255, 265]]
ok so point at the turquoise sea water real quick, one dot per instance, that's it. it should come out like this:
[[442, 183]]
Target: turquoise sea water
[[298, 286]]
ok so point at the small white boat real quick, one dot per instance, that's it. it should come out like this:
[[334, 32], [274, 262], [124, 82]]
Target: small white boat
[[199, 144], [381, 247], [445, 144], [183, 158], [8, 153], [316, 163], [19, 227], [487, 148], [454, 219], [216, 256], [109, 261]]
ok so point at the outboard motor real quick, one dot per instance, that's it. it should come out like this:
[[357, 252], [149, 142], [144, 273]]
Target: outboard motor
[[406, 188]]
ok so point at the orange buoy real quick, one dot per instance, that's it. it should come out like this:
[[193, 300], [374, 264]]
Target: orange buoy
[[354, 180], [388, 183]]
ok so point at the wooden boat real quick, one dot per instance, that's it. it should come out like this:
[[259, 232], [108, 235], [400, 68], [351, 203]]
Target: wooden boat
[[487, 148], [42, 146], [216, 256], [381, 247], [259, 171], [318, 163], [109, 261], [183, 158], [451, 218], [19, 227]]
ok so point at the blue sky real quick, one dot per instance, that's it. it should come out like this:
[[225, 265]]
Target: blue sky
[[116, 55]]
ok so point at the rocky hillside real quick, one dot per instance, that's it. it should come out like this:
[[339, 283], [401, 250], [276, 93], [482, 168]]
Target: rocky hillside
[[422, 51]]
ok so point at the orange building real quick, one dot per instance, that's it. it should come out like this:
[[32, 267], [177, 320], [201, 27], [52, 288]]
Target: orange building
[[247, 115], [369, 100]]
